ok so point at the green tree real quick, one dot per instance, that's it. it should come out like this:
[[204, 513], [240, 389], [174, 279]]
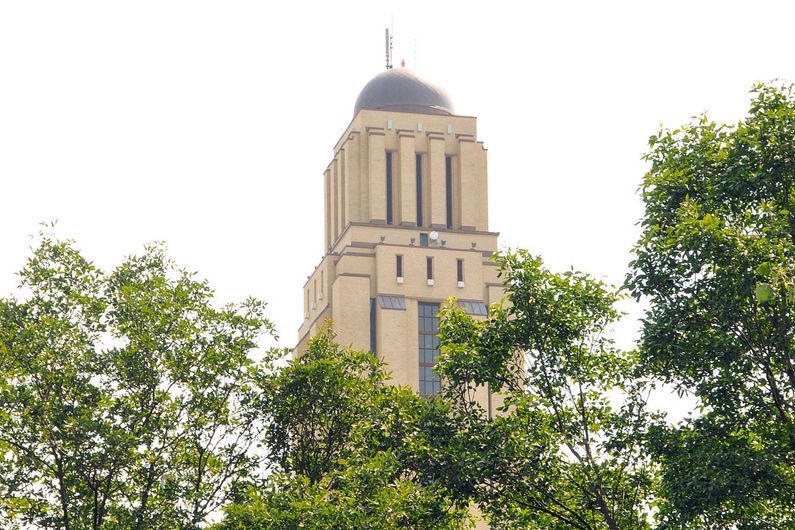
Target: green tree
[[344, 443], [567, 449], [125, 398], [716, 262]]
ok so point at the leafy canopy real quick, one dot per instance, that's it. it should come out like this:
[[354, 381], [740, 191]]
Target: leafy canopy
[[348, 447], [125, 398], [566, 451], [716, 261]]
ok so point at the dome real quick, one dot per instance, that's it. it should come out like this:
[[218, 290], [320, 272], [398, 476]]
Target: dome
[[402, 90]]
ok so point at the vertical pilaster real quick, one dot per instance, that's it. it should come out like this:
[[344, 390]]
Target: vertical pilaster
[[332, 198], [469, 164], [377, 174], [352, 182], [335, 178], [436, 166], [340, 165], [482, 190], [408, 178]]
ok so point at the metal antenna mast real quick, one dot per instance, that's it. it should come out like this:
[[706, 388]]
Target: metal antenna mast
[[388, 50]]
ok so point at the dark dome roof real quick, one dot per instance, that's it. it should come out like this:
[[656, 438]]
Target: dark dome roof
[[402, 90]]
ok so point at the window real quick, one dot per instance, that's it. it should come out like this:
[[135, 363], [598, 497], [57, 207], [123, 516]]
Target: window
[[389, 187], [423, 240], [430, 383], [429, 267], [399, 266], [322, 284], [460, 270], [386, 301], [448, 180], [474, 308], [373, 338], [419, 190]]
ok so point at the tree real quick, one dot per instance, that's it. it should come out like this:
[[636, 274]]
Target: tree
[[125, 398], [344, 443], [716, 262], [567, 449]]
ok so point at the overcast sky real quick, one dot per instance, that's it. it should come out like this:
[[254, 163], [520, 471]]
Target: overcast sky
[[208, 125]]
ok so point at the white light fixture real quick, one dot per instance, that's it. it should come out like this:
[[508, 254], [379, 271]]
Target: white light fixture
[[430, 281], [460, 285], [400, 279]]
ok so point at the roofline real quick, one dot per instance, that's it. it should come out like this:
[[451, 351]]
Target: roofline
[[348, 131]]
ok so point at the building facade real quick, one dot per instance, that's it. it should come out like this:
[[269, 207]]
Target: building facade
[[406, 228]]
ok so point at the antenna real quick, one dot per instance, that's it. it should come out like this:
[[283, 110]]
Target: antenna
[[388, 50]]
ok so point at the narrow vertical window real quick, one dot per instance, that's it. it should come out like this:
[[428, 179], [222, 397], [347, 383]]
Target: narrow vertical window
[[389, 187], [373, 338], [460, 270], [430, 383], [448, 181], [423, 240], [322, 284], [399, 266], [314, 295], [429, 268], [419, 190]]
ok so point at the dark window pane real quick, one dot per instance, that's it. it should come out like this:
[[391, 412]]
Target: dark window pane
[[419, 190], [388, 187], [448, 180], [428, 324]]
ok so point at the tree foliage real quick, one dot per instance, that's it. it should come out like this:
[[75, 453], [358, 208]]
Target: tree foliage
[[125, 398], [716, 262], [346, 445], [567, 450]]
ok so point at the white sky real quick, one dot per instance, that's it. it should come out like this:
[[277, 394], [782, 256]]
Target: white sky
[[208, 124]]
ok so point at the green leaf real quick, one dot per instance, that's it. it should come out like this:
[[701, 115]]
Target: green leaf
[[764, 292]]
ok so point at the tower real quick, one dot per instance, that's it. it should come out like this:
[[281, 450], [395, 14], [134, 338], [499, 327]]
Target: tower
[[406, 228]]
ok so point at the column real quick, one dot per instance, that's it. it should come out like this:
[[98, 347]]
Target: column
[[377, 175], [407, 169], [436, 166]]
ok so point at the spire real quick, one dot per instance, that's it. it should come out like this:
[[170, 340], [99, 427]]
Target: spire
[[388, 50]]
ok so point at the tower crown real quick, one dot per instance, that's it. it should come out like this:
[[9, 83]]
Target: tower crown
[[400, 89]]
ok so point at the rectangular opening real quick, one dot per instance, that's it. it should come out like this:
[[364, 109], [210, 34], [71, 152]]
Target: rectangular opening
[[389, 187], [459, 268], [372, 326], [423, 240], [429, 267], [419, 190], [399, 266], [448, 182], [429, 383]]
